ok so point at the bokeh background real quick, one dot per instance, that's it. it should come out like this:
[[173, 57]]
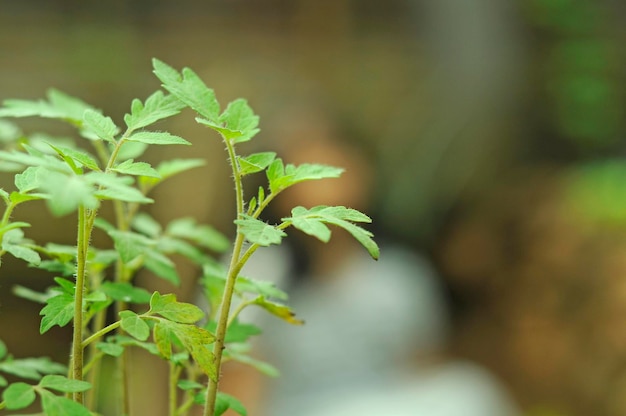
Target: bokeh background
[[496, 131]]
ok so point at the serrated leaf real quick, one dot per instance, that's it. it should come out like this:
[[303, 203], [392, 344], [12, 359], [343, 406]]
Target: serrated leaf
[[237, 123], [116, 187], [225, 401], [13, 242], [279, 310], [282, 177], [204, 235], [168, 307], [259, 287], [59, 106], [61, 406], [59, 310], [18, 396], [125, 292], [311, 221], [239, 116], [157, 107], [27, 180], [102, 126], [196, 340], [259, 232], [129, 167], [67, 192], [255, 162], [162, 334], [81, 157], [63, 384], [134, 325], [154, 137], [188, 88]]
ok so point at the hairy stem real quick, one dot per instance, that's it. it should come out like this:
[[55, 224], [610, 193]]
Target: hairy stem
[[233, 271], [77, 336]]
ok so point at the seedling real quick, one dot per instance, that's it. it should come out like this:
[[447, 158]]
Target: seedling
[[88, 280]]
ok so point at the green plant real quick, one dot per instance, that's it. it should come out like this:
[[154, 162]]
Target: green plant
[[90, 280]]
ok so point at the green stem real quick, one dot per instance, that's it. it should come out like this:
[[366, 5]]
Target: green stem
[[173, 388], [77, 336], [233, 271], [101, 333]]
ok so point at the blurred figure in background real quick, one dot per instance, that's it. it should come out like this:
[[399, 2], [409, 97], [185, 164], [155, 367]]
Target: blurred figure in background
[[375, 332]]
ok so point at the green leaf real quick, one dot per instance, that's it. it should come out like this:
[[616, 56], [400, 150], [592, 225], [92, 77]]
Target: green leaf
[[154, 137], [134, 325], [18, 197], [196, 340], [175, 245], [311, 221], [168, 307], [110, 348], [157, 107], [31, 368], [282, 177], [3, 349], [18, 396], [29, 294], [240, 332], [161, 265], [261, 366], [203, 235], [225, 401], [61, 406], [238, 116], [63, 384], [116, 187], [259, 287], [13, 242], [131, 150], [259, 232], [27, 180], [172, 167], [59, 310], [279, 310], [81, 157], [66, 192], [255, 162], [189, 385], [147, 225], [129, 167], [237, 123], [100, 125], [162, 339], [59, 106], [188, 88], [125, 292]]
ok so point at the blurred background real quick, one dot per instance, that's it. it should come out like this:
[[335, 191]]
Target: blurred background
[[494, 137]]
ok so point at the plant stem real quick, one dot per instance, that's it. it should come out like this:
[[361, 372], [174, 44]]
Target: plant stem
[[77, 336], [233, 271], [173, 388]]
